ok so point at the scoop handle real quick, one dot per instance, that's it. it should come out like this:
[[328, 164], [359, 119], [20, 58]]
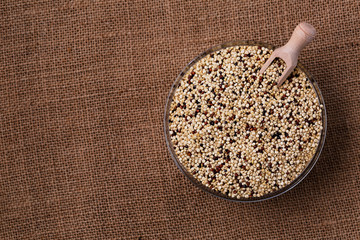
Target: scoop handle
[[303, 34]]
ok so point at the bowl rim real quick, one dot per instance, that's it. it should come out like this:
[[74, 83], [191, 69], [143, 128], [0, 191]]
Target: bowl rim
[[196, 182]]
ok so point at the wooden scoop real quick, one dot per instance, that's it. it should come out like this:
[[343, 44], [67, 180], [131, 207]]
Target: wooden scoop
[[303, 34]]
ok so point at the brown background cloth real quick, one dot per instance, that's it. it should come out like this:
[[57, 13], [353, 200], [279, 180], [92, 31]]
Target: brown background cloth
[[83, 86]]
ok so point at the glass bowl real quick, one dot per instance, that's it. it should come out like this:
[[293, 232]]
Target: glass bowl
[[219, 194]]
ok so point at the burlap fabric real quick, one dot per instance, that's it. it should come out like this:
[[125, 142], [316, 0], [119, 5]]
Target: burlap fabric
[[83, 86]]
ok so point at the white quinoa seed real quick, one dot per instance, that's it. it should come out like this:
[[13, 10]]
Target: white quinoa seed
[[235, 131]]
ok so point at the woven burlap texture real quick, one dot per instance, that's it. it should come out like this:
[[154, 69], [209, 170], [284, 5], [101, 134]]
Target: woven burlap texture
[[83, 86]]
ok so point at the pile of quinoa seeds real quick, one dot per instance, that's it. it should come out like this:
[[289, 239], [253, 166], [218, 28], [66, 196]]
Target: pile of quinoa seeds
[[238, 133]]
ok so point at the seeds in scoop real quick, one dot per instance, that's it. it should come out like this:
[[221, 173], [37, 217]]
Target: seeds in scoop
[[235, 131]]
